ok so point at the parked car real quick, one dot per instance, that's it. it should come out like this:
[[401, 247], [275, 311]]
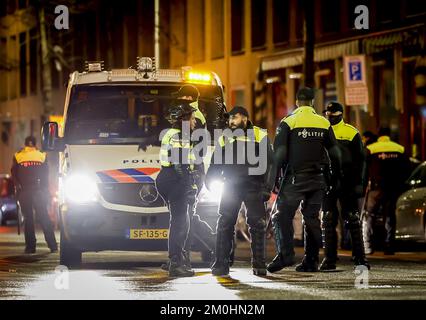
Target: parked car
[[411, 207], [8, 205]]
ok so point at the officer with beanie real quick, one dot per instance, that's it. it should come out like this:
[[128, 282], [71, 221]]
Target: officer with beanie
[[350, 190]]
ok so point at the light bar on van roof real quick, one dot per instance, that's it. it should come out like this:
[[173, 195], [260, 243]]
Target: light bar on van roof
[[94, 66], [198, 77]]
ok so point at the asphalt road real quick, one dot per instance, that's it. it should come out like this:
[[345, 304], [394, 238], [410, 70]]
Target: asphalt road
[[130, 275]]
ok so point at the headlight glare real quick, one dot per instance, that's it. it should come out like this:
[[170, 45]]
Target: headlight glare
[[80, 188], [212, 195]]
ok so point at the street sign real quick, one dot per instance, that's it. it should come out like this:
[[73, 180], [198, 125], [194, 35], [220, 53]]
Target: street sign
[[356, 96], [354, 71], [356, 90]]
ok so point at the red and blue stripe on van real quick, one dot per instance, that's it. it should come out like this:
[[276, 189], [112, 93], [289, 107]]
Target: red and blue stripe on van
[[134, 175]]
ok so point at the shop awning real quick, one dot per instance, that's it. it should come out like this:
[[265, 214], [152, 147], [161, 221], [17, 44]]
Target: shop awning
[[282, 60], [408, 38], [321, 53]]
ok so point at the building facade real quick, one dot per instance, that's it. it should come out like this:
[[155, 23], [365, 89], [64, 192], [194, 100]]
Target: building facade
[[255, 46]]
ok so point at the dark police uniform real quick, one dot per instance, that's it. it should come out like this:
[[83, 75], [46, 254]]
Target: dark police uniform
[[239, 187], [387, 170], [299, 146], [176, 184], [30, 174], [199, 229], [351, 188]]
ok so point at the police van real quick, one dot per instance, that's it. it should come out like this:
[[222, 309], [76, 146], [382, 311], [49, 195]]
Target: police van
[[109, 156]]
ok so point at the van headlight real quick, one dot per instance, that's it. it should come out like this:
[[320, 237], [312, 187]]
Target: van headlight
[[212, 195], [80, 188]]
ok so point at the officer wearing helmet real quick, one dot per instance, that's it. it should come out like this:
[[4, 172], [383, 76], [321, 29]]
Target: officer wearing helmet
[[199, 229], [191, 94], [302, 139], [350, 144], [176, 184]]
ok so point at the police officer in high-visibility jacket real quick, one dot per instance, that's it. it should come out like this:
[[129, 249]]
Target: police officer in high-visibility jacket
[[176, 184], [190, 93], [388, 168], [243, 160], [351, 189], [199, 229], [300, 146], [30, 175]]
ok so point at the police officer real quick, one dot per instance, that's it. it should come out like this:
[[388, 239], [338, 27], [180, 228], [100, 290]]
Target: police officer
[[30, 175], [351, 188], [199, 229], [245, 180], [190, 93], [176, 184], [387, 169], [299, 147]]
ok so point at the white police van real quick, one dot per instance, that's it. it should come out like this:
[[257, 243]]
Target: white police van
[[109, 156]]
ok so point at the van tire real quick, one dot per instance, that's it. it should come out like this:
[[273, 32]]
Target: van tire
[[69, 256]]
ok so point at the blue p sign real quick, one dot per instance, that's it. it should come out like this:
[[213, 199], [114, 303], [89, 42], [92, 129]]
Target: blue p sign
[[355, 73]]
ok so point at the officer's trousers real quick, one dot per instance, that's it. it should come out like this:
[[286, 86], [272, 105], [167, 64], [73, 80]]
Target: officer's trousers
[[199, 229], [35, 200], [172, 191], [380, 201], [232, 198], [306, 190], [350, 215]]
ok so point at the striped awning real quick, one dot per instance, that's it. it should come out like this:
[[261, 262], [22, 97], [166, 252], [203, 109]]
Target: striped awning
[[321, 53], [408, 38]]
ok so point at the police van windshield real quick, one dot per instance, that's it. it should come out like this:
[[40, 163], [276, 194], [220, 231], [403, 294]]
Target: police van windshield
[[129, 114]]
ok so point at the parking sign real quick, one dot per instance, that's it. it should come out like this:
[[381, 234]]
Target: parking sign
[[356, 91], [354, 70]]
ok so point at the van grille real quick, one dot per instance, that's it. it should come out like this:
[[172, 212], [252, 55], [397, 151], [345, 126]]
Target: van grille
[[131, 194]]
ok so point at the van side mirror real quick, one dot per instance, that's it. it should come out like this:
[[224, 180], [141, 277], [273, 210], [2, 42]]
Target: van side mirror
[[50, 140]]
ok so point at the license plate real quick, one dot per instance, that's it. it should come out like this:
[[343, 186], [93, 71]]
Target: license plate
[[141, 234]]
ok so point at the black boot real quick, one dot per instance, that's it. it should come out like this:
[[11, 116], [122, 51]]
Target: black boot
[[258, 242], [330, 242], [280, 262], [178, 269], [308, 264], [223, 250], [358, 251], [327, 265], [285, 251], [186, 259], [312, 229]]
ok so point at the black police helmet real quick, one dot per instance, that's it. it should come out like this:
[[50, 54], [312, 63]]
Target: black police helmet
[[188, 90], [179, 111], [333, 107]]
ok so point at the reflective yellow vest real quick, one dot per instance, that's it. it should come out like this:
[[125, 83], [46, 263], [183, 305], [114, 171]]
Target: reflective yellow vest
[[172, 143]]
